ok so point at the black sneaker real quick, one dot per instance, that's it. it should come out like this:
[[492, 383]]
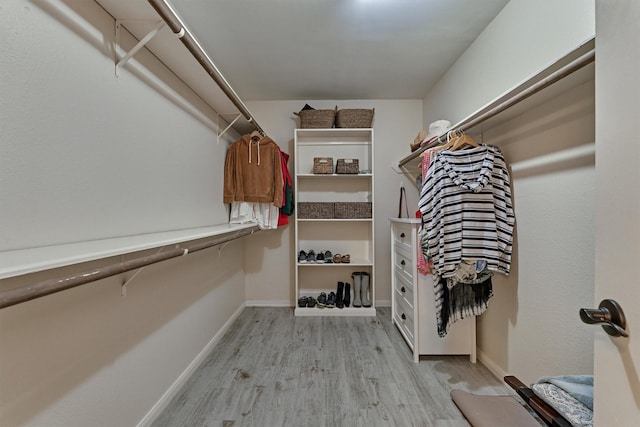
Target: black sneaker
[[331, 300], [328, 257], [302, 257], [320, 258], [322, 300], [311, 256]]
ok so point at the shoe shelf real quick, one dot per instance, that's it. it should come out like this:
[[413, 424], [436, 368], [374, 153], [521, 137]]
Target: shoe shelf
[[347, 311], [353, 236]]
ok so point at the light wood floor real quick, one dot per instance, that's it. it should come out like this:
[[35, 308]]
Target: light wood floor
[[274, 369]]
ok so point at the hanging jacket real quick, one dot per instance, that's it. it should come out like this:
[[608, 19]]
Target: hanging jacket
[[287, 193], [253, 172]]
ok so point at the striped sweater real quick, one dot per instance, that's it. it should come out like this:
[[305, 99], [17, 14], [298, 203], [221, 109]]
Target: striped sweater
[[467, 209]]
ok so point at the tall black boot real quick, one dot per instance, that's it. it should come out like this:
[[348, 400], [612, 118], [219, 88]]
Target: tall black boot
[[340, 295], [347, 294]]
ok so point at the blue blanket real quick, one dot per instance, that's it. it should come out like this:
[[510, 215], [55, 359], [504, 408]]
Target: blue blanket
[[580, 387]]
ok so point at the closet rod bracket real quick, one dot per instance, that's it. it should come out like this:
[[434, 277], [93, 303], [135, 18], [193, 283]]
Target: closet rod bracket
[[220, 134], [151, 34]]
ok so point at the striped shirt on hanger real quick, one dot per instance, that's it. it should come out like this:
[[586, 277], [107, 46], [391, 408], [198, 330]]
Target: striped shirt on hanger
[[467, 209]]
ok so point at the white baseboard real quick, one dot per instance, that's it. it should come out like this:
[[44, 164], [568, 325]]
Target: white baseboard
[[491, 365], [162, 403], [267, 303]]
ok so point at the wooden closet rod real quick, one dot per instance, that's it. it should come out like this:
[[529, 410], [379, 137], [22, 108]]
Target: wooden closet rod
[[166, 12], [475, 120], [30, 292]]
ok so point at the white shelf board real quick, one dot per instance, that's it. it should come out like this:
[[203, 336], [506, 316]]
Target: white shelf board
[[346, 311], [335, 175], [335, 131], [335, 220], [353, 263], [31, 260]]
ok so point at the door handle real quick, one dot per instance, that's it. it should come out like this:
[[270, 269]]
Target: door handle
[[610, 315]]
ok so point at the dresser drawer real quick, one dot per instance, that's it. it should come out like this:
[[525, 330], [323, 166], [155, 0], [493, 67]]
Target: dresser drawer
[[403, 261], [402, 235], [404, 288], [404, 319]]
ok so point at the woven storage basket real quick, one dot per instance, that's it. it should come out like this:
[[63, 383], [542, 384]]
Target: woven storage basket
[[323, 165], [317, 119], [315, 210], [352, 210], [354, 118], [347, 166]]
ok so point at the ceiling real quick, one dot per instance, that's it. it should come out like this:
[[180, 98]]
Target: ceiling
[[324, 49]]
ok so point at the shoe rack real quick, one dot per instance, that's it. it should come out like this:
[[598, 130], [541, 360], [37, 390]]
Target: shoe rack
[[351, 237]]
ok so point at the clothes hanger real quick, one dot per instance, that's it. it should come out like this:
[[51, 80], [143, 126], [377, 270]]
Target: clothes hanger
[[255, 135], [462, 141], [452, 137]]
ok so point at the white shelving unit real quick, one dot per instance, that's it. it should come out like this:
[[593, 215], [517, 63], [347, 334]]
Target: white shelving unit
[[339, 236]]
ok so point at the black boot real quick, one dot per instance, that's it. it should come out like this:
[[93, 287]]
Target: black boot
[[347, 294], [340, 295]]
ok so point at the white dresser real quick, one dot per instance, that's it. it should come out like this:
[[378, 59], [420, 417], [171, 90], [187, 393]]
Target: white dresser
[[413, 303]]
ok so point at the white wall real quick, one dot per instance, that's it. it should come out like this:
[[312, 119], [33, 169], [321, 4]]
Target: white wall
[[531, 327], [85, 155], [270, 274], [525, 37]]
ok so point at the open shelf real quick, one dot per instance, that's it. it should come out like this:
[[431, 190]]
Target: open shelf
[[31, 260]]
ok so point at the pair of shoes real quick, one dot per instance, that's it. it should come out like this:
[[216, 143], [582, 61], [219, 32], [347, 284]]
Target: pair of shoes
[[343, 295], [337, 258], [324, 257], [305, 301], [311, 256], [306, 257], [361, 284]]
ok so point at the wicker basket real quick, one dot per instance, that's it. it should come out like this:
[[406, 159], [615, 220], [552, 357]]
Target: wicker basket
[[315, 210], [352, 210], [323, 165], [317, 119], [347, 166], [354, 118]]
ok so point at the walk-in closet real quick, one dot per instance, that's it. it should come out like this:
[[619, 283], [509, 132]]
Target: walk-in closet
[[319, 213]]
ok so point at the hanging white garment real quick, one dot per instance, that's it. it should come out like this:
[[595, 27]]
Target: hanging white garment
[[264, 214]]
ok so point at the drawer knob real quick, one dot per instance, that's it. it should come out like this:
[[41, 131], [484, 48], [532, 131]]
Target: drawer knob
[[403, 290], [402, 262], [404, 317], [402, 235]]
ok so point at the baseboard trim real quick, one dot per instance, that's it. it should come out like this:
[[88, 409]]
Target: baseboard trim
[[266, 303], [491, 365], [162, 403]]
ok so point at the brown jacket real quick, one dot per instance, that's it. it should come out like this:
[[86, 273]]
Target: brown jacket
[[252, 172]]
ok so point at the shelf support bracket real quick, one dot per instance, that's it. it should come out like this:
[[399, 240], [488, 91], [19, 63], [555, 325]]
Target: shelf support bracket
[[123, 287], [228, 127], [139, 45]]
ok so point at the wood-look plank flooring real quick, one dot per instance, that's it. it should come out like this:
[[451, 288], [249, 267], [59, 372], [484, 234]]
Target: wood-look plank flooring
[[274, 369]]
